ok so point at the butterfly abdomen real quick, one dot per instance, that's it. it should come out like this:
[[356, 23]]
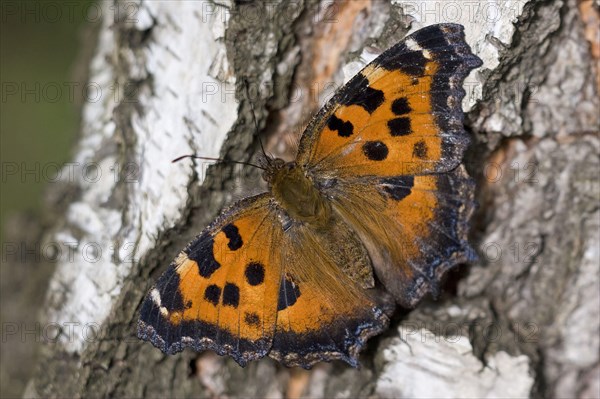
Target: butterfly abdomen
[[299, 197]]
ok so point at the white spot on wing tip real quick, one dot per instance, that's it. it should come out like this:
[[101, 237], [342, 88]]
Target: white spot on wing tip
[[181, 258], [155, 295], [413, 45]]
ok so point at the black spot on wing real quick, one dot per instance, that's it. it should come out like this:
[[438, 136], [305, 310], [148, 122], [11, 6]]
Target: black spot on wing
[[168, 287], [400, 106], [255, 273], [401, 58], [288, 294], [201, 252], [399, 126], [212, 294], [231, 295], [252, 319], [420, 149], [430, 38], [398, 187], [360, 93], [233, 235], [344, 129], [375, 150]]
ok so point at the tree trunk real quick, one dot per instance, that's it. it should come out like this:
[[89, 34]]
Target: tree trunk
[[521, 321]]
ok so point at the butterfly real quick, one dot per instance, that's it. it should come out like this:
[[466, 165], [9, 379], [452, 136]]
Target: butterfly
[[372, 213]]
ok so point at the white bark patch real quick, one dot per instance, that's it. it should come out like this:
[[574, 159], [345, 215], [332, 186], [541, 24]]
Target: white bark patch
[[188, 107], [190, 111], [419, 364]]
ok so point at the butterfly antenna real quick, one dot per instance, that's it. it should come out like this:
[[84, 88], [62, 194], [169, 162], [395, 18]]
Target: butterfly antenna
[[216, 159], [255, 123]]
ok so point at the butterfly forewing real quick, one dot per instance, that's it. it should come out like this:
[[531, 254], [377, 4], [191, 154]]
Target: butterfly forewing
[[221, 292], [401, 115]]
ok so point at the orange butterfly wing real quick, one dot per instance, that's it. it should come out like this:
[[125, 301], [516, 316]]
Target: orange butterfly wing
[[247, 288], [323, 312], [382, 147], [415, 227], [401, 115], [220, 293]]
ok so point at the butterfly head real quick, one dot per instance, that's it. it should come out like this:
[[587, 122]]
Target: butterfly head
[[272, 166]]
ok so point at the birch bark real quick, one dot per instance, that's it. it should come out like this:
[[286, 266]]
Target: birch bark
[[522, 321]]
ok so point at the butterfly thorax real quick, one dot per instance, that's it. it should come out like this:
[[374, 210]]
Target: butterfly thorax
[[297, 194]]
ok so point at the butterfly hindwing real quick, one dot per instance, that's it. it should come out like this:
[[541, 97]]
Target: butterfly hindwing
[[323, 311], [401, 115], [414, 227]]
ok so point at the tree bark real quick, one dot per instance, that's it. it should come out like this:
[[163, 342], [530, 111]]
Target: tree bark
[[521, 321]]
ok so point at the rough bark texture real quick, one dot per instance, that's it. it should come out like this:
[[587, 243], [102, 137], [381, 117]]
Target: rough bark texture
[[522, 321]]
